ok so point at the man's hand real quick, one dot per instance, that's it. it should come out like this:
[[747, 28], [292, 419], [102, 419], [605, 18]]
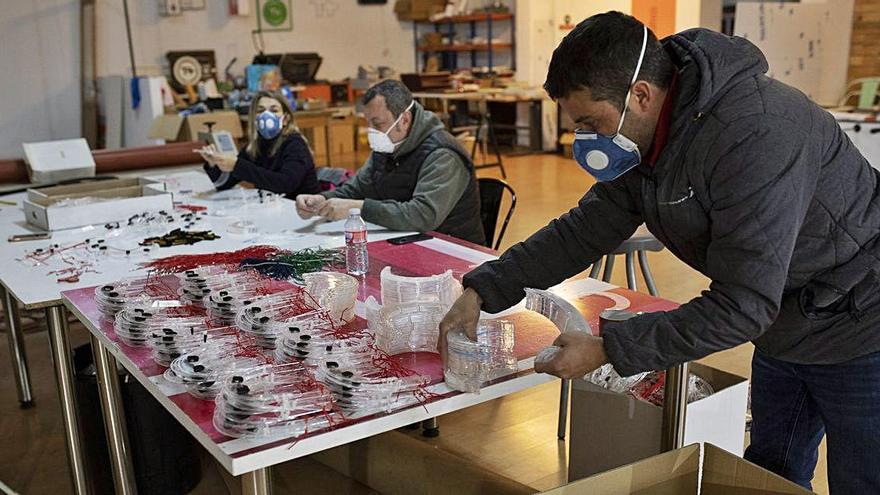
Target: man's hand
[[308, 205], [337, 209], [579, 354], [464, 314]]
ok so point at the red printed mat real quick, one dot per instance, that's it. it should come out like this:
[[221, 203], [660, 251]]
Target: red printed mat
[[533, 331]]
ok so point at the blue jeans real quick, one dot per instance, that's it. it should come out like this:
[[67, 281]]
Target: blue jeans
[[794, 405]]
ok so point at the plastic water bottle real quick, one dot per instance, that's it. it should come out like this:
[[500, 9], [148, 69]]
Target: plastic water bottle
[[356, 260]]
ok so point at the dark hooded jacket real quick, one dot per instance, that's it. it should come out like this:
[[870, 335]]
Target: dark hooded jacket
[[757, 188]]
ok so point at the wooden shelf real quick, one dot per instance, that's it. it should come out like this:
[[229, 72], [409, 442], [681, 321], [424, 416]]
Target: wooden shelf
[[461, 19], [466, 48]]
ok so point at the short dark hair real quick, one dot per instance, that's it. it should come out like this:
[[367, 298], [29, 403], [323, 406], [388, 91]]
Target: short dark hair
[[601, 53], [396, 94]]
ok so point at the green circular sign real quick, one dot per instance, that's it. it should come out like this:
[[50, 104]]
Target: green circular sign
[[275, 12]]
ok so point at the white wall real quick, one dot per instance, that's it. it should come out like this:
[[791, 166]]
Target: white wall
[[40, 63], [806, 44], [344, 33]]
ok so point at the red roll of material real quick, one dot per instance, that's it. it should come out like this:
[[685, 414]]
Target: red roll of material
[[108, 161]]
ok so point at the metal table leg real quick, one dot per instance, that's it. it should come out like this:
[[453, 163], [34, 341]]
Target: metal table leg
[[564, 394], [56, 320], [114, 420], [257, 482], [16, 349], [675, 407]]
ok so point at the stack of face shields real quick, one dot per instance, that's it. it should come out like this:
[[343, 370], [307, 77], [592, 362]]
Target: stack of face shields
[[274, 400], [114, 297], [173, 340], [470, 364], [205, 369], [311, 340], [264, 317], [135, 324], [196, 286], [360, 388], [333, 292]]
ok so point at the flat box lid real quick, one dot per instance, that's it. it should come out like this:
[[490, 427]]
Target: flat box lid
[[54, 156]]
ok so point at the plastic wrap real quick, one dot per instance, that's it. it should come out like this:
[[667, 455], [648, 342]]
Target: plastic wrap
[[396, 290], [470, 364], [412, 327], [334, 292]]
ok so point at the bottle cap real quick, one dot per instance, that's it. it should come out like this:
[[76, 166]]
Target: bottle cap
[[354, 211]]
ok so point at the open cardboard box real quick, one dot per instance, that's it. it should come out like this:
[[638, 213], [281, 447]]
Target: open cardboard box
[[173, 127], [680, 472], [609, 430], [125, 197]]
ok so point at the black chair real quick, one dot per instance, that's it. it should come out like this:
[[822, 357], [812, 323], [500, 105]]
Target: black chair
[[491, 194]]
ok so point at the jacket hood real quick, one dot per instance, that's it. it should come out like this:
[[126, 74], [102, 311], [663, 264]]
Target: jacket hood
[[424, 124], [710, 62]]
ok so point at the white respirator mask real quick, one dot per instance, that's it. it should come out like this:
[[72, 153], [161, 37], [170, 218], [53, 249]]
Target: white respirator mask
[[379, 141]]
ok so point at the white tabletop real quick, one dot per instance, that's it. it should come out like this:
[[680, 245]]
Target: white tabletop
[[278, 224]]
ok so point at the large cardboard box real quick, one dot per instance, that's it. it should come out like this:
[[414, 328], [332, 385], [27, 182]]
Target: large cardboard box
[[680, 472], [122, 199], [609, 430], [173, 127]]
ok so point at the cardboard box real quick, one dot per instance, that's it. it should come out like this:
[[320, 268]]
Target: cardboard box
[[609, 430], [54, 161], [418, 10], [173, 127], [125, 197], [680, 472]]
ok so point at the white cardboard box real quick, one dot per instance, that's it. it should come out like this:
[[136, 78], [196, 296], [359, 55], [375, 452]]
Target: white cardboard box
[[53, 161], [123, 198], [609, 430]]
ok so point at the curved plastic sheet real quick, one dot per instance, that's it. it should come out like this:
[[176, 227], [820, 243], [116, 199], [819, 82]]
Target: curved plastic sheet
[[565, 316]]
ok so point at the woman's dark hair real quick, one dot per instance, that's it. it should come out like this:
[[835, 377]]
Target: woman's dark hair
[[601, 53]]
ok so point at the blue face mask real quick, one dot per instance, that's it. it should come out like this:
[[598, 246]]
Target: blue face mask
[[608, 157], [268, 125]]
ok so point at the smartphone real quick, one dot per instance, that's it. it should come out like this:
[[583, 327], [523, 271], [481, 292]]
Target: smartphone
[[30, 237], [397, 241]]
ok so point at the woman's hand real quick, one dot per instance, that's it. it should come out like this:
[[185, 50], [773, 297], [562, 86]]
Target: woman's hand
[[213, 156]]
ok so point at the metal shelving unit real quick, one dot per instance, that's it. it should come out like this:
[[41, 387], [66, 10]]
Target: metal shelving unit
[[450, 53]]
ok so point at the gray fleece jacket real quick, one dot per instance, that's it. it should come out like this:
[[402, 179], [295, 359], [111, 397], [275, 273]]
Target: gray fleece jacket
[[442, 180]]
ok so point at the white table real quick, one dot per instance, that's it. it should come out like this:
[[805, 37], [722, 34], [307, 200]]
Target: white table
[[30, 287], [251, 458], [864, 131]]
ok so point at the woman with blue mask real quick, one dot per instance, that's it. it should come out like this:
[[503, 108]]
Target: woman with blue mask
[[277, 157]]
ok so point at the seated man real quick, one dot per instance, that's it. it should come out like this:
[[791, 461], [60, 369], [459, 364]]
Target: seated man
[[417, 177]]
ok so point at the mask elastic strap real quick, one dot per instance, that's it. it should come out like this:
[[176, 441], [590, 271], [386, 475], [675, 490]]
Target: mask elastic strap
[[411, 103], [635, 76]]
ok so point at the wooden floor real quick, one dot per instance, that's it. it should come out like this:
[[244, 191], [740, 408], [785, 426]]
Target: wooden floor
[[514, 436]]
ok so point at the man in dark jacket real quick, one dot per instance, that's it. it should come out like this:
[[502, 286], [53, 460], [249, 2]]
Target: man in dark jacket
[[417, 177], [753, 185]]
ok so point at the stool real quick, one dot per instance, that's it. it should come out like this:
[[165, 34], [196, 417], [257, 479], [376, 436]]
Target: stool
[[639, 244]]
